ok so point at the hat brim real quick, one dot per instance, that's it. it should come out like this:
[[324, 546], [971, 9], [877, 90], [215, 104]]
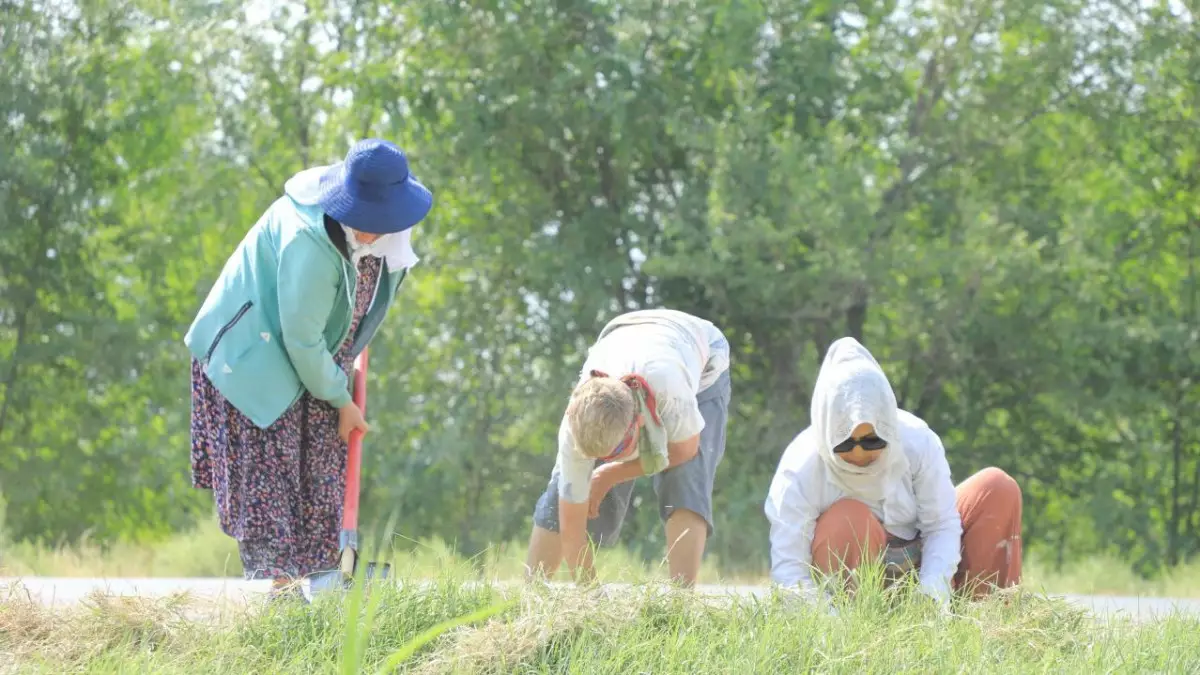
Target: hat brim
[[400, 207]]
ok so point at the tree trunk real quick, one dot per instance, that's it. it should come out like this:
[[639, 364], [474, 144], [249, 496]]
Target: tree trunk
[[856, 315], [1175, 522], [10, 380]]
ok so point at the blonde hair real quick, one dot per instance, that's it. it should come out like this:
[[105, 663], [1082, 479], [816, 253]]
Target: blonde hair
[[599, 413]]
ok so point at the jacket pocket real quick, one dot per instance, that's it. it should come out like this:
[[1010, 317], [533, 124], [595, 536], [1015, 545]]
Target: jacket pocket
[[260, 382], [224, 329]]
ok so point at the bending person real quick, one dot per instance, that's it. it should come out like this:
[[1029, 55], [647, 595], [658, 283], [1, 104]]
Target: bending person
[[867, 480], [653, 399], [272, 347]]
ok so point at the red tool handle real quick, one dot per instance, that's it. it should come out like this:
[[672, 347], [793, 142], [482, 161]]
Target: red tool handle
[[354, 455]]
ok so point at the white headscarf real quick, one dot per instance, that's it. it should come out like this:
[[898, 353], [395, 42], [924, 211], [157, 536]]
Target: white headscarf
[[851, 389], [396, 248]]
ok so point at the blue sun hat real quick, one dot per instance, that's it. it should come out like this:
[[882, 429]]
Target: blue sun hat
[[373, 191]]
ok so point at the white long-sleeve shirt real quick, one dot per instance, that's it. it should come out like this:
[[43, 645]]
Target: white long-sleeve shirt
[[920, 501]]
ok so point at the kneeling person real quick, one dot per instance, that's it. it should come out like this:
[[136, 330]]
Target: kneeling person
[[868, 480], [653, 399]]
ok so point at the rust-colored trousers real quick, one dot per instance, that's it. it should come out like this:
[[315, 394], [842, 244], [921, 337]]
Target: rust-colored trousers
[[990, 506]]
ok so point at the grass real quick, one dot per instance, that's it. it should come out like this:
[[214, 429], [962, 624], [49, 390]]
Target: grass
[[206, 552], [447, 627]]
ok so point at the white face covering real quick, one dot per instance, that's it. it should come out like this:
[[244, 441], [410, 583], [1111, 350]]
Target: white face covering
[[305, 189], [358, 250], [851, 389]]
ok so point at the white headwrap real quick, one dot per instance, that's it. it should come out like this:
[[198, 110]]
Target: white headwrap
[[851, 389]]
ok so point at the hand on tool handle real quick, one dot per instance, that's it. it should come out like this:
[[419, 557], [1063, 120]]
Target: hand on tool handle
[[350, 419]]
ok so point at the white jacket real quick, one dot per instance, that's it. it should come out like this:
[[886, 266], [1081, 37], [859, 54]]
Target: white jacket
[[919, 500]]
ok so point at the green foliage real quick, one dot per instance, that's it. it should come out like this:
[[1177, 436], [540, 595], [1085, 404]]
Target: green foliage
[[999, 199]]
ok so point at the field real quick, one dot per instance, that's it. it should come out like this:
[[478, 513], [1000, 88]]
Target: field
[[543, 630], [206, 552]]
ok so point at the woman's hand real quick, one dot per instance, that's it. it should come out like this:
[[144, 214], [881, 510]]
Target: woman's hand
[[350, 418]]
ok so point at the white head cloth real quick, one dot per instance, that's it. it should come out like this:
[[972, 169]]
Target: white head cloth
[[395, 248], [851, 389]]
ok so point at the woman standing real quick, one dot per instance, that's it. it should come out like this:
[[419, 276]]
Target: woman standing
[[272, 348], [867, 480]]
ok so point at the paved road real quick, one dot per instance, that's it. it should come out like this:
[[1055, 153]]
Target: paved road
[[67, 591]]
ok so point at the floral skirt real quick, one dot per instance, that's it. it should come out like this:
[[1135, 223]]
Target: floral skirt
[[278, 490]]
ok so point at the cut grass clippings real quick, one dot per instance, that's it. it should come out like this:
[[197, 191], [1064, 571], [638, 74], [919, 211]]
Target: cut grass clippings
[[447, 627]]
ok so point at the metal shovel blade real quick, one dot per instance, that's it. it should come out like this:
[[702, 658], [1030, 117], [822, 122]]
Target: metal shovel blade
[[378, 570], [323, 582], [335, 580]]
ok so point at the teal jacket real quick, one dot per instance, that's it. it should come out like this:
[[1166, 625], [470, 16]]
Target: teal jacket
[[278, 312]]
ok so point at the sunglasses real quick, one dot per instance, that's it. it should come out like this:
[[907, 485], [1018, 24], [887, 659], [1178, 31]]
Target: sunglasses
[[867, 443], [624, 442]]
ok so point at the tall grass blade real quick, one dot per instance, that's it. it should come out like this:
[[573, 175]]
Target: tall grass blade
[[412, 646]]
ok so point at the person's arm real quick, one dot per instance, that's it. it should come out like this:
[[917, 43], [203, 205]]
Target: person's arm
[[574, 488], [793, 520], [610, 475], [615, 473], [679, 452], [308, 284], [572, 531], [937, 518]]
